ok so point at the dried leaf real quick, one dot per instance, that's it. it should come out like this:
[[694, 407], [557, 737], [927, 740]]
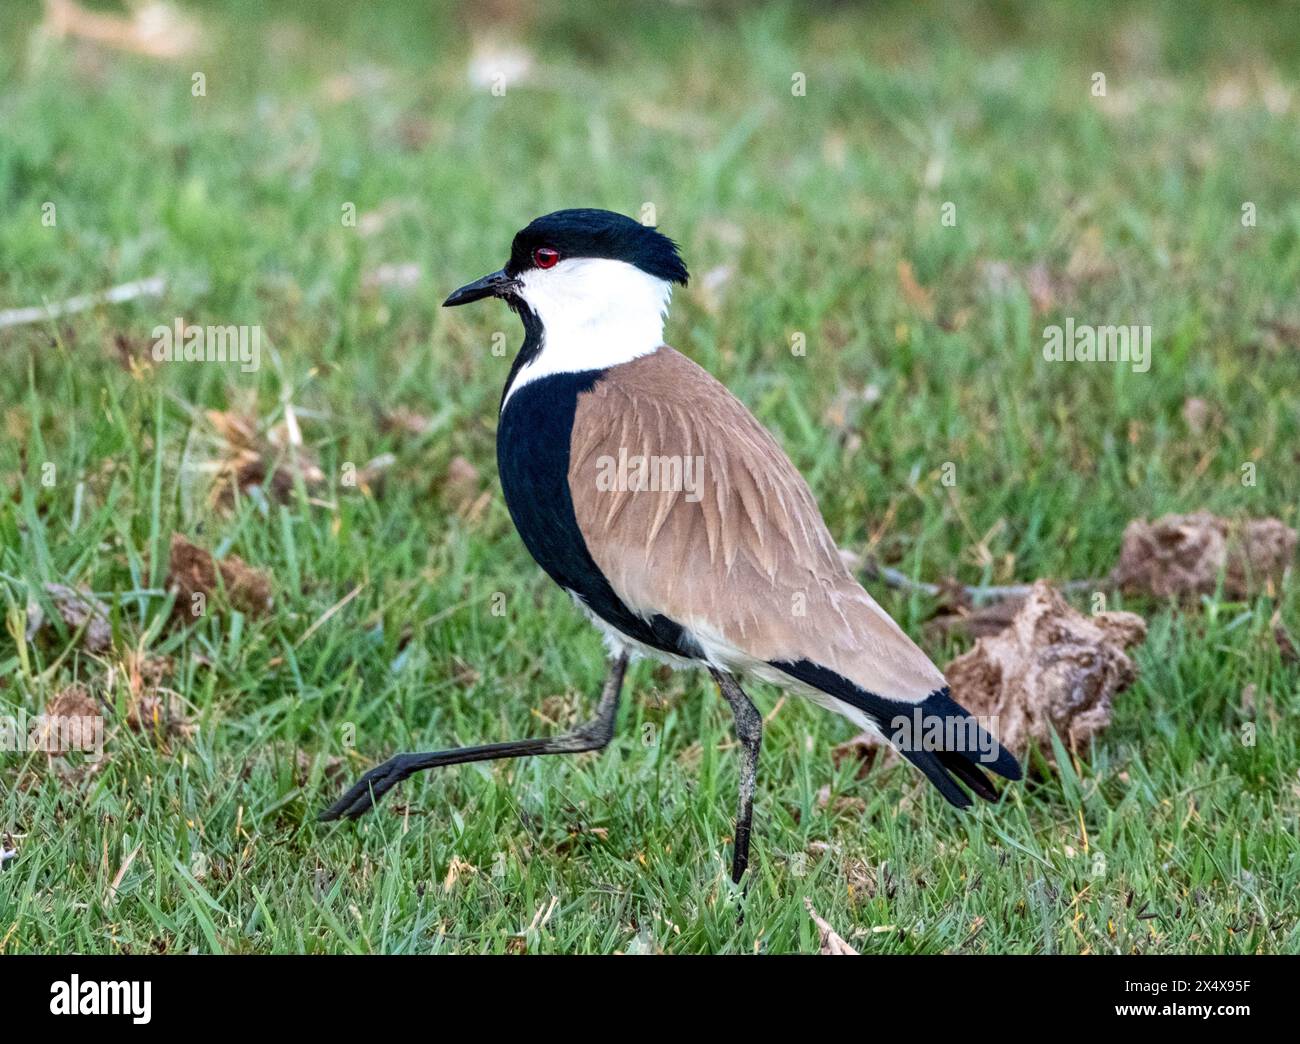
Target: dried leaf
[[145, 671], [361, 81], [710, 289], [463, 673], [1286, 645], [76, 607], [845, 411], [160, 713], [865, 747], [116, 883], [151, 708], [831, 942], [1046, 287], [1042, 287], [271, 461], [370, 477], [154, 29], [843, 804], [461, 488], [455, 870], [914, 293], [642, 944], [1091, 259], [406, 421], [333, 767], [1196, 415]]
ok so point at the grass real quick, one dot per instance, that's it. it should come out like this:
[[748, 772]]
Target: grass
[[1167, 835]]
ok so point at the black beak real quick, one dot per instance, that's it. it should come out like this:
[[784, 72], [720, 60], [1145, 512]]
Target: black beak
[[498, 284]]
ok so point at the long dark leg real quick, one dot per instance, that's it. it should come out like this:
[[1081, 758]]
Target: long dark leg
[[749, 730], [594, 735]]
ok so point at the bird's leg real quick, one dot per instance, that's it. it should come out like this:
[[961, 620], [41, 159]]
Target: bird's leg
[[749, 730], [594, 735]]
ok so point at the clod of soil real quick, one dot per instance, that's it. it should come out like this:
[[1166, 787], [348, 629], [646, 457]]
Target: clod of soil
[[1052, 668], [1184, 555], [193, 571], [73, 702], [59, 732], [76, 608]]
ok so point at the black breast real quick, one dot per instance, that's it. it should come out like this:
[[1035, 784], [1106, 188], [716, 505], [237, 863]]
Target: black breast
[[533, 457]]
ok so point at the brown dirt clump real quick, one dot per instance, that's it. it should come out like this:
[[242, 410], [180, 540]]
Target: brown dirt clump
[[193, 571], [1184, 555], [71, 722], [1052, 668]]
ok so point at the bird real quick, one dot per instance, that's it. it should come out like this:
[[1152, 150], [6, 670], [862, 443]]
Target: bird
[[655, 498]]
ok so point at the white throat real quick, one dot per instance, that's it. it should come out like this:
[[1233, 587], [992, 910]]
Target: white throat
[[595, 313]]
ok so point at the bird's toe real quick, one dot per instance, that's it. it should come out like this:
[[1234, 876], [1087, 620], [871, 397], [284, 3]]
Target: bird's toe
[[364, 794]]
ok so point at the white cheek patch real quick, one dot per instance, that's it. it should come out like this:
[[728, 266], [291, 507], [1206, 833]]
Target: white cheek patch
[[595, 313]]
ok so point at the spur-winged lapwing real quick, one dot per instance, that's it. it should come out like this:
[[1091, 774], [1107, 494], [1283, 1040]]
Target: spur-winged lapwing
[[652, 495]]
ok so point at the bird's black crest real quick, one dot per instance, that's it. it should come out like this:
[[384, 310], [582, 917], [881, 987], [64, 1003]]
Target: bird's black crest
[[599, 233]]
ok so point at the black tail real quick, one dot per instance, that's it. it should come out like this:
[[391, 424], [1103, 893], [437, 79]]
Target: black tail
[[937, 735]]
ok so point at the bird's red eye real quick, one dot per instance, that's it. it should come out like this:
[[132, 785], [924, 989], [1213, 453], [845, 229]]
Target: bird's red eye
[[545, 257]]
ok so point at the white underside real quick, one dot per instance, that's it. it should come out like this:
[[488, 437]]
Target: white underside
[[728, 658], [595, 313]]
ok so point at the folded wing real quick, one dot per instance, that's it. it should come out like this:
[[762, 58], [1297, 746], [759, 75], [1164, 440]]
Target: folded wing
[[692, 511]]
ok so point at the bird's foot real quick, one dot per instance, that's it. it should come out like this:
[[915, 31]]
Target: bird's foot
[[369, 790]]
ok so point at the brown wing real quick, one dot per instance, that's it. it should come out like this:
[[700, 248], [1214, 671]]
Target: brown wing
[[691, 510]]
